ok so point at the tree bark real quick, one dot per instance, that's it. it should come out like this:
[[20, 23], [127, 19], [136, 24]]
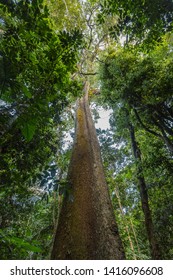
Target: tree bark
[[86, 229], [155, 252]]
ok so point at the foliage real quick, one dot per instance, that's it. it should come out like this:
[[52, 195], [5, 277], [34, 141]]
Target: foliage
[[36, 66], [38, 199], [139, 21], [27, 238], [141, 84], [35, 76], [66, 14], [47, 49]]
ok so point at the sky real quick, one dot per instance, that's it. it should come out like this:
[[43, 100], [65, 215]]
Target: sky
[[103, 121]]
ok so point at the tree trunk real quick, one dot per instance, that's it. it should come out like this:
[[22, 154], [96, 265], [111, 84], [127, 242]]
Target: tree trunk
[[134, 234], [86, 229], [125, 222], [155, 252]]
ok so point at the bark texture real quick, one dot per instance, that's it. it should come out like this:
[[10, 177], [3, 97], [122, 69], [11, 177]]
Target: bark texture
[[86, 229]]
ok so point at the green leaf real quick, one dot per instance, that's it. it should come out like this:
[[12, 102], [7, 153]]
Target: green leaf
[[28, 130], [19, 242], [26, 91]]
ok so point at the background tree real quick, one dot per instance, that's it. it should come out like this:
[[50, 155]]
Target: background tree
[[126, 88]]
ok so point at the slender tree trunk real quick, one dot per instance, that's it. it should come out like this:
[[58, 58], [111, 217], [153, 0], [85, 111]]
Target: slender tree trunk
[[125, 223], [86, 229], [155, 252], [134, 233]]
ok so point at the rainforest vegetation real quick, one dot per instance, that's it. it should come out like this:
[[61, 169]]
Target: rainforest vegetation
[[108, 193]]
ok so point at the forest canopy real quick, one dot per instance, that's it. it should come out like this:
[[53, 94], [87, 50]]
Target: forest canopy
[[48, 50]]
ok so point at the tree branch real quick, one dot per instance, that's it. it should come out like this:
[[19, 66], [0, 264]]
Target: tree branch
[[88, 74], [144, 126]]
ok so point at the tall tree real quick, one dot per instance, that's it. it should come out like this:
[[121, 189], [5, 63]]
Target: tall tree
[[86, 227], [40, 74], [124, 89], [155, 251]]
